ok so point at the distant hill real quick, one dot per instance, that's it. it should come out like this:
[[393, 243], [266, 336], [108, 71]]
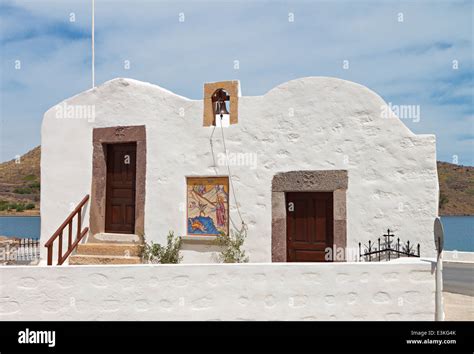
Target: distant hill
[[20, 186], [456, 185]]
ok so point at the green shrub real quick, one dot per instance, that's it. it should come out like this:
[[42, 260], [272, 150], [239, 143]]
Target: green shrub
[[24, 190], [34, 185], [19, 207], [231, 251], [29, 178], [156, 253], [443, 200]]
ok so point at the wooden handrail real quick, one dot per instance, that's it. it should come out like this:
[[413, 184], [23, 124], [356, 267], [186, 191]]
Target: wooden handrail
[[59, 233]]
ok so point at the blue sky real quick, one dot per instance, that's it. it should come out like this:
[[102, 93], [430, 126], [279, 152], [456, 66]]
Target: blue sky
[[407, 63]]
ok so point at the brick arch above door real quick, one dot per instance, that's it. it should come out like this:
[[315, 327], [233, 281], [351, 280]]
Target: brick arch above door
[[335, 181]]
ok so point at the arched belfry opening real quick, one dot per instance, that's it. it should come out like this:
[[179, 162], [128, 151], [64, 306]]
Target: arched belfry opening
[[221, 103]]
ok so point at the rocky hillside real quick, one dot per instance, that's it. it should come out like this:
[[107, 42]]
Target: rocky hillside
[[456, 185], [20, 186]]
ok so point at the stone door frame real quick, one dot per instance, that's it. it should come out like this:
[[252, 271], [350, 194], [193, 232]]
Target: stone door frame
[[334, 181], [115, 135]]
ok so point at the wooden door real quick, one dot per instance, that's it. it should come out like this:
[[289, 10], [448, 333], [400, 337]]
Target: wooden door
[[120, 191], [309, 220]]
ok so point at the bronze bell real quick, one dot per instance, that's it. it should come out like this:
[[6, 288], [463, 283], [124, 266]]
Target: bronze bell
[[219, 98], [221, 108]]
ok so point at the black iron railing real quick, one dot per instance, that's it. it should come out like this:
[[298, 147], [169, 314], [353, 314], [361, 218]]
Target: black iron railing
[[384, 251]]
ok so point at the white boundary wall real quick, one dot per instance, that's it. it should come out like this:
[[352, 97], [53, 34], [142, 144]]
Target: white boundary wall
[[275, 291], [456, 256]]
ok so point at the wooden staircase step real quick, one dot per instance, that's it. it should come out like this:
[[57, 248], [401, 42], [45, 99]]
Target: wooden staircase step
[[83, 259], [110, 249]]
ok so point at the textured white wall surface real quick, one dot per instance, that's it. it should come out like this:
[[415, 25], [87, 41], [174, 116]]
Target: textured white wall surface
[[278, 291], [314, 123]]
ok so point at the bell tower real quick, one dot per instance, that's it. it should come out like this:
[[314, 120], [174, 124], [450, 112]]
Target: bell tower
[[221, 98]]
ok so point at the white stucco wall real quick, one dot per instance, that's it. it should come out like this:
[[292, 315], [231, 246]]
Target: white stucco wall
[[275, 291], [336, 125]]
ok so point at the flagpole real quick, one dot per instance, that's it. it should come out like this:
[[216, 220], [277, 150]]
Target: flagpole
[[93, 50]]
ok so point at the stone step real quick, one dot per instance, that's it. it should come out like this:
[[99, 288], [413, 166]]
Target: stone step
[[116, 238], [109, 249], [83, 259]]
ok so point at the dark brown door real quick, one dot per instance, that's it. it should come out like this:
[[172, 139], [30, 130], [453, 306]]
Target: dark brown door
[[120, 194], [309, 220]]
